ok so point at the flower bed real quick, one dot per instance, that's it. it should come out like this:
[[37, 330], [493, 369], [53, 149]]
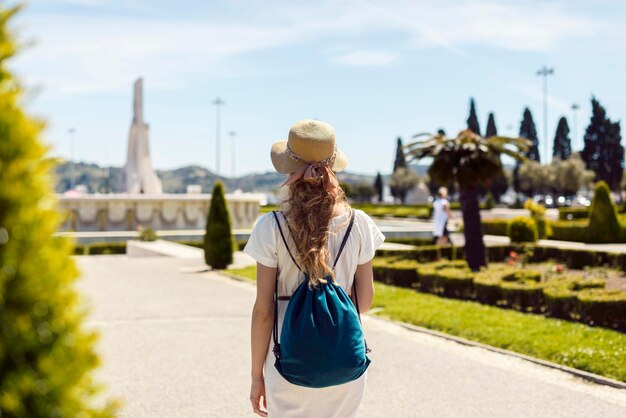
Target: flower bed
[[566, 296]]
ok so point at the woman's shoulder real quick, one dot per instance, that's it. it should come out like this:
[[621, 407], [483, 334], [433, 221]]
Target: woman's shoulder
[[362, 220], [266, 222]]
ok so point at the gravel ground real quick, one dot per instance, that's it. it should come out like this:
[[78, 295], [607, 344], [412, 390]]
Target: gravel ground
[[176, 344]]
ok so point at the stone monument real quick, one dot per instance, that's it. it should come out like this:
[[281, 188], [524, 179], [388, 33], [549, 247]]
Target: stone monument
[[139, 177]]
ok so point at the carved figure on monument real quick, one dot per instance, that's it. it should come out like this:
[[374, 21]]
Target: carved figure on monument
[[139, 176]]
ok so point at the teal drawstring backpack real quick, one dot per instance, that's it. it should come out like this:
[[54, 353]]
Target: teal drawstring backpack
[[321, 342]]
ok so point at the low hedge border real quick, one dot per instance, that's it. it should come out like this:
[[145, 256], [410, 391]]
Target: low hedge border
[[101, 248], [572, 258], [567, 297], [569, 214]]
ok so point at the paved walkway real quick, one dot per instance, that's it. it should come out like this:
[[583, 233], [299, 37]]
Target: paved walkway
[[176, 344]]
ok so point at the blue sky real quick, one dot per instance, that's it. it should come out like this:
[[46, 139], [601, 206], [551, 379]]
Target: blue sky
[[374, 70]]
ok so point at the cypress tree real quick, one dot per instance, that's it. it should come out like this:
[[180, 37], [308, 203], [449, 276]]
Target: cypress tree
[[491, 126], [529, 131], [472, 120], [218, 239], [603, 152], [562, 147], [46, 355], [399, 162], [379, 186], [499, 185]]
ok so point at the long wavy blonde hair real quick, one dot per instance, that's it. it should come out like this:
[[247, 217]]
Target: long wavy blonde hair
[[309, 209]]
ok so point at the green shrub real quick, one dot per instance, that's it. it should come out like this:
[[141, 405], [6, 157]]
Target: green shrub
[[522, 229], [538, 213], [561, 295], [576, 231], [46, 353], [147, 234], [544, 228], [402, 273], [603, 224], [602, 307], [218, 240], [106, 248], [560, 301], [453, 282], [570, 214], [495, 226]]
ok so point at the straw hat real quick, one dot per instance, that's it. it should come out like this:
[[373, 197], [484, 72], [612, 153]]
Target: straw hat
[[309, 141]]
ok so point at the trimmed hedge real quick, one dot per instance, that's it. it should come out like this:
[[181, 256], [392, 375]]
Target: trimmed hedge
[[566, 297], [100, 248], [571, 214], [495, 226], [570, 231]]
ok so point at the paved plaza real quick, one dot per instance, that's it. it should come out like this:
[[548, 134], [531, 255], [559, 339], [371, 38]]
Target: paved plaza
[[176, 344]]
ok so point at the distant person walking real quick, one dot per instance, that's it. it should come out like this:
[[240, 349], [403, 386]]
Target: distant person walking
[[441, 215], [314, 274]]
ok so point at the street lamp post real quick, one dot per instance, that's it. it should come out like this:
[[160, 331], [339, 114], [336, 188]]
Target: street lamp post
[[575, 108], [217, 102], [232, 135], [545, 72], [71, 132]]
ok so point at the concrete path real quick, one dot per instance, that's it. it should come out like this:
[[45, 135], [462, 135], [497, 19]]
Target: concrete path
[[176, 344]]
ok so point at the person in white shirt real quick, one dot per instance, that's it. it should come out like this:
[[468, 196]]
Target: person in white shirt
[[441, 215]]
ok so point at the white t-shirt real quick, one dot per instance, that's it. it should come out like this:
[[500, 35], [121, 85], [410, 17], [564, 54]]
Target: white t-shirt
[[440, 216], [265, 245]]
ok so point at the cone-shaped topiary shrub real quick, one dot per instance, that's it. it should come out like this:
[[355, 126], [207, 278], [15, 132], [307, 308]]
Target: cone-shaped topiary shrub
[[218, 240], [603, 223], [45, 354]]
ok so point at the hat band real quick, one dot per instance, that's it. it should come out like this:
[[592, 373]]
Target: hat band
[[326, 161]]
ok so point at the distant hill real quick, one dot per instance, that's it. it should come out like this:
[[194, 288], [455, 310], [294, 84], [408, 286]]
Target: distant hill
[[105, 179]]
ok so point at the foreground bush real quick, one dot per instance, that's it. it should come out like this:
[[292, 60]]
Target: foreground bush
[[46, 356]]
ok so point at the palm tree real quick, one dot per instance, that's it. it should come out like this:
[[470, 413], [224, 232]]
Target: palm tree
[[471, 161]]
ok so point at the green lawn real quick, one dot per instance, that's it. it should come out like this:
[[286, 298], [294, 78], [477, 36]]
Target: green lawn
[[595, 350]]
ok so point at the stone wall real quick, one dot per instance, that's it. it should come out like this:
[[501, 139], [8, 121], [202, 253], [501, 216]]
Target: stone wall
[[126, 212]]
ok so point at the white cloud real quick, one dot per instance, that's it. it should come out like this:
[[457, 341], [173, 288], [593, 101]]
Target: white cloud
[[365, 58]]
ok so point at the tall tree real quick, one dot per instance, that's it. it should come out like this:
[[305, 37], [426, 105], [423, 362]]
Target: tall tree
[[491, 126], [499, 184], [399, 162], [47, 354], [562, 147], [379, 187], [403, 180], [527, 130], [471, 161], [603, 151], [472, 120]]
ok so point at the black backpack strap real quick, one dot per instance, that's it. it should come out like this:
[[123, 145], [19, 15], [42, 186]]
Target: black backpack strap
[[276, 349], [280, 229], [345, 238]]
